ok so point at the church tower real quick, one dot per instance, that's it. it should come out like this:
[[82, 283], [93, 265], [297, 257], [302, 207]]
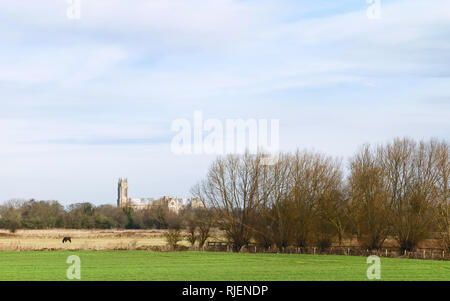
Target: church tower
[[122, 199]]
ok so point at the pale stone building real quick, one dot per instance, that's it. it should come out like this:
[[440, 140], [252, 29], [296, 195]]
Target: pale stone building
[[174, 204]]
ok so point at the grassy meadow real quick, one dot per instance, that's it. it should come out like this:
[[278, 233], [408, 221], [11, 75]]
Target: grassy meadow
[[125, 255], [193, 266]]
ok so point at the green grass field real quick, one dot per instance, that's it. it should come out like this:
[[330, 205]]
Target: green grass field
[[192, 266]]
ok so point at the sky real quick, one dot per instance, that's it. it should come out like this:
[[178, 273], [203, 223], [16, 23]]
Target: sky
[[86, 101]]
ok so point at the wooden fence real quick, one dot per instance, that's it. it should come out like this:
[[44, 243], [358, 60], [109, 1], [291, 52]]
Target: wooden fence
[[394, 252]]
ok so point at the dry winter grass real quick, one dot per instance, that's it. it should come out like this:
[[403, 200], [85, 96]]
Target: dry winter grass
[[51, 239], [38, 240]]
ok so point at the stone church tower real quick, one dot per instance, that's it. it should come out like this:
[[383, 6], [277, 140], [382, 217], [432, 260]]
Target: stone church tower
[[122, 199]]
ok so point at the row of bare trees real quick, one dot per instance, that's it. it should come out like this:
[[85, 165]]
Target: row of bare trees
[[397, 190]]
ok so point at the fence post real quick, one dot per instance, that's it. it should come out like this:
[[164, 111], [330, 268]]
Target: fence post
[[314, 251]]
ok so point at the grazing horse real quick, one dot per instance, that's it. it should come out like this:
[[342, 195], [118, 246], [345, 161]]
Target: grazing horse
[[67, 238]]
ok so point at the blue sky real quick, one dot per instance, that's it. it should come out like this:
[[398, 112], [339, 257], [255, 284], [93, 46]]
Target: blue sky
[[84, 102]]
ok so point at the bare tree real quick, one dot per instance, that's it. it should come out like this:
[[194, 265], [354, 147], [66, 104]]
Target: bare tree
[[204, 221], [198, 224], [231, 191], [191, 227], [272, 224], [411, 179], [316, 192], [369, 207]]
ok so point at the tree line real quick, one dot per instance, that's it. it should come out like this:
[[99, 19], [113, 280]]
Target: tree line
[[306, 198], [32, 214], [397, 190]]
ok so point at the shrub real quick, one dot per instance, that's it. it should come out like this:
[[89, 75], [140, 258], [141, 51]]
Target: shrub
[[13, 226], [173, 237]]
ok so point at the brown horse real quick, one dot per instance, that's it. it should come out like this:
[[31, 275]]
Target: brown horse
[[67, 238]]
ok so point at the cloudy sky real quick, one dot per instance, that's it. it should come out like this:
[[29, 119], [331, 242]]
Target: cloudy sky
[[86, 101]]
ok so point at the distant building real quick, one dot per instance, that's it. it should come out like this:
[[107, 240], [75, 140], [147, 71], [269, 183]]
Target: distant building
[[174, 204]]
